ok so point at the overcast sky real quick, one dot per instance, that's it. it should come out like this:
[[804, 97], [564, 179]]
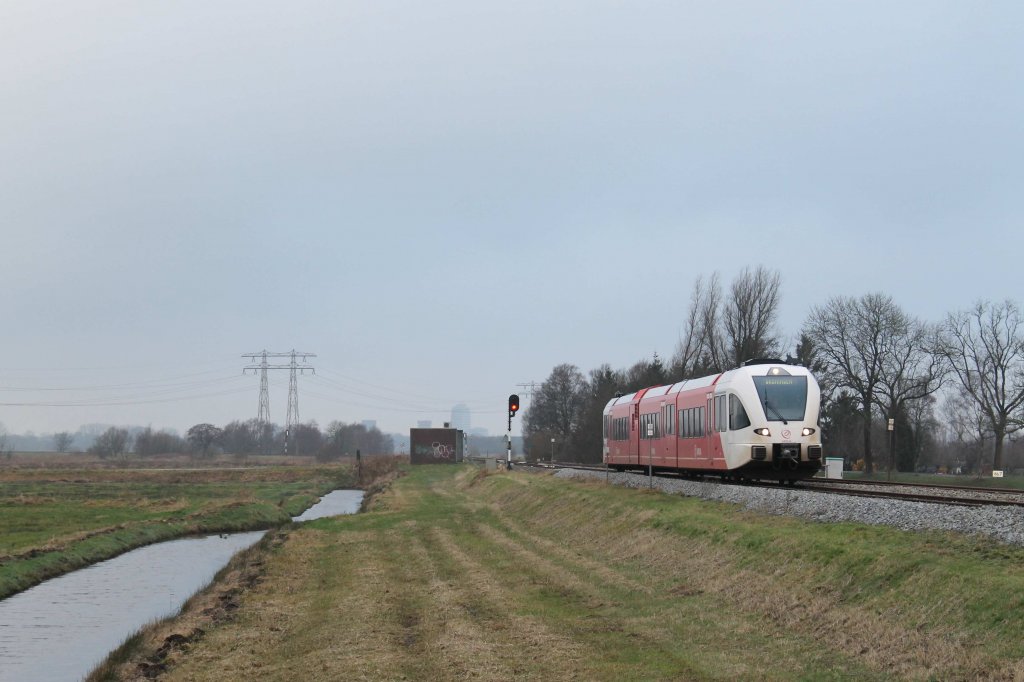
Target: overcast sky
[[442, 200]]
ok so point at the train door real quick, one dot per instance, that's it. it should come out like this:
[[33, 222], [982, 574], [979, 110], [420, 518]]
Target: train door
[[634, 433], [667, 442]]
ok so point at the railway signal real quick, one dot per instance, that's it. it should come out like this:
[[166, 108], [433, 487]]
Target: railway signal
[[513, 407]]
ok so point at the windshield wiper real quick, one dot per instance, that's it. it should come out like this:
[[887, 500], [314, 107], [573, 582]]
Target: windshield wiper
[[777, 413]]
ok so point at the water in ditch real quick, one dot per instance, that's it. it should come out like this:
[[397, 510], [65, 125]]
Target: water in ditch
[[61, 629]]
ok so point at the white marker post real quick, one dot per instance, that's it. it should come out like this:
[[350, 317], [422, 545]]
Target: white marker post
[[650, 457], [892, 446]]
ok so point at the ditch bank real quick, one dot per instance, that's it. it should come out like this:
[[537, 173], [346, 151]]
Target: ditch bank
[[60, 629]]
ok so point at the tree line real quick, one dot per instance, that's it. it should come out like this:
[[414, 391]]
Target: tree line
[[954, 388], [248, 437]]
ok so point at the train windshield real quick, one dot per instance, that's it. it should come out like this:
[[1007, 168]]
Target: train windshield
[[783, 398]]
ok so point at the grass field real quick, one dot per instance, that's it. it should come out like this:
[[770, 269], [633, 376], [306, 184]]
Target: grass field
[[453, 574], [944, 479], [53, 521]]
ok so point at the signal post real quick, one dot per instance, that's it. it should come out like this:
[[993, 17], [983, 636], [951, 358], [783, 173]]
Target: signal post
[[513, 407]]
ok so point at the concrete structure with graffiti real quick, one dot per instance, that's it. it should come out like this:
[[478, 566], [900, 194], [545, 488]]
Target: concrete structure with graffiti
[[436, 446]]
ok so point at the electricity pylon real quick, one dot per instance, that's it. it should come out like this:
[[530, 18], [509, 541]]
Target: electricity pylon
[[263, 415]]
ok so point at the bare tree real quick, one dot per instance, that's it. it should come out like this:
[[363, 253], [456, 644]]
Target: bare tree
[[201, 437], [344, 439], [308, 439], [62, 441], [645, 373], [701, 349], [985, 349], [557, 406], [851, 336], [6, 450], [911, 369], [965, 429], [111, 443], [149, 442], [919, 418], [601, 386], [749, 315], [240, 438]]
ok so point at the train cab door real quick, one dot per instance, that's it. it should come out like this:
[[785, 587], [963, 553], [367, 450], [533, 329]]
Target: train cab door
[[718, 435], [710, 440]]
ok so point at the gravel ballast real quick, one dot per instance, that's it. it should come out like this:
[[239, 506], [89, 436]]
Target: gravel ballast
[[1003, 523]]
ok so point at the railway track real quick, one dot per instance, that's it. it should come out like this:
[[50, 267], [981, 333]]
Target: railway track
[[913, 492], [968, 497]]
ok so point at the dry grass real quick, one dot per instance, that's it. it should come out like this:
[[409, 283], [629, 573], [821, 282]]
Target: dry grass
[[454, 575], [26, 461]]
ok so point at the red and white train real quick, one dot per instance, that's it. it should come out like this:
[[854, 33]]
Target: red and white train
[[756, 421]]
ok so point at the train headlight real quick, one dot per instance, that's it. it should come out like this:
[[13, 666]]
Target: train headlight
[[807, 431], [764, 432]]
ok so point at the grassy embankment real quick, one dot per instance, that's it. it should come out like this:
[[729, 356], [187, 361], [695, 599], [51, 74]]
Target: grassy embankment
[[55, 521], [452, 574]]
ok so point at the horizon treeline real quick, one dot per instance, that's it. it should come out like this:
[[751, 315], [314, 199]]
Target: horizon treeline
[[954, 387], [238, 437]]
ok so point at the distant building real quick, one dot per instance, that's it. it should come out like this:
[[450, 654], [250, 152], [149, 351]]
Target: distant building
[[424, 424], [436, 446], [460, 417], [369, 424]]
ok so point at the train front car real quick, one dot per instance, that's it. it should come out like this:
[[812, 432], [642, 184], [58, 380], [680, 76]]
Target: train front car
[[766, 413]]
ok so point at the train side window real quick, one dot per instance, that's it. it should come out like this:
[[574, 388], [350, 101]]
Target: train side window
[[737, 415], [721, 413], [700, 422]]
